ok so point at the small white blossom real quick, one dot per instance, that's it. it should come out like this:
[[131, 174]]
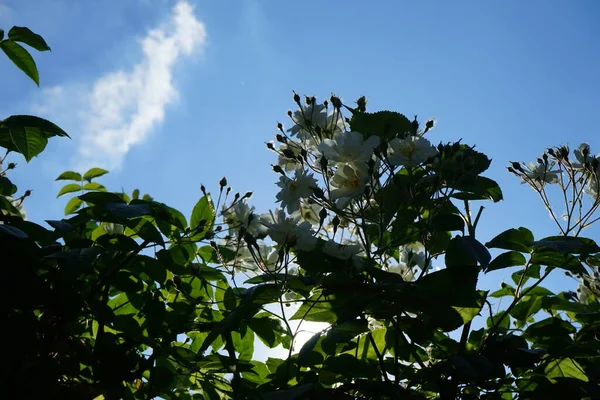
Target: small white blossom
[[306, 118], [349, 147], [289, 231], [287, 163], [341, 251], [239, 215], [348, 182], [292, 190], [413, 256], [406, 273], [308, 211], [538, 174], [410, 152]]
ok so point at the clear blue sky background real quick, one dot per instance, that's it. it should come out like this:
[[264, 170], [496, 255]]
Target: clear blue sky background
[[512, 77]]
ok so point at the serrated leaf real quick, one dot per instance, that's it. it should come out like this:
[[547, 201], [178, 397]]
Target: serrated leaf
[[73, 205], [69, 188], [25, 35], [94, 173], [385, 124], [69, 176], [21, 58]]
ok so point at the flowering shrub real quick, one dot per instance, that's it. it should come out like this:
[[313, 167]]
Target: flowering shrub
[[375, 239]]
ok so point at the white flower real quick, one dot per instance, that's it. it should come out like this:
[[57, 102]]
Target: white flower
[[410, 152], [373, 324], [412, 256], [583, 155], [348, 182], [288, 163], [288, 231], [306, 118], [239, 215], [583, 293], [341, 251], [292, 190], [538, 174], [349, 147], [308, 211]]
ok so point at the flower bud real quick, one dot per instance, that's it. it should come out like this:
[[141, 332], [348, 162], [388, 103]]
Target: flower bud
[[362, 104], [213, 244], [326, 103], [517, 166], [223, 182], [280, 138], [296, 98], [304, 154], [551, 152], [322, 215], [278, 169], [203, 189], [545, 157], [27, 193], [270, 146], [236, 196], [415, 125], [288, 153], [289, 113], [11, 165], [318, 192], [323, 162], [218, 228], [247, 195], [280, 126], [540, 161], [336, 102]]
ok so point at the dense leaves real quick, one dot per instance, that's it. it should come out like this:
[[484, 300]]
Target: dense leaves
[[122, 298]]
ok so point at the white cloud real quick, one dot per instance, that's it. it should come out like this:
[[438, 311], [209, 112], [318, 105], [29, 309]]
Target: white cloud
[[121, 108]]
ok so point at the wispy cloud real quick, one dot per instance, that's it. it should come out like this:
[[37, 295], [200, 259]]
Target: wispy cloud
[[120, 109]]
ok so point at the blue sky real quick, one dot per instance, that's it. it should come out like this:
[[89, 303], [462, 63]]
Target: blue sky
[[171, 94]]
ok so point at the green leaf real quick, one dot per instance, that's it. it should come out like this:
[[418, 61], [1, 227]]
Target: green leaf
[[565, 368], [526, 308], [127, 211], [21, 58], [1, 34], [478, 188], [73, 205], [466, 250], [506, 290], [146, 231], [7, 188], [347, 330], [551, 258], [513, 239], [505, 260], [307, 349], [27, 134], [203, 218], [568, 244], [267, 329], [69, 188], [101, 198], [385, 124], [25, 35], [448, 222], [69, 176], [94, 173], [295, 392], [94, 186], [12, 231]]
